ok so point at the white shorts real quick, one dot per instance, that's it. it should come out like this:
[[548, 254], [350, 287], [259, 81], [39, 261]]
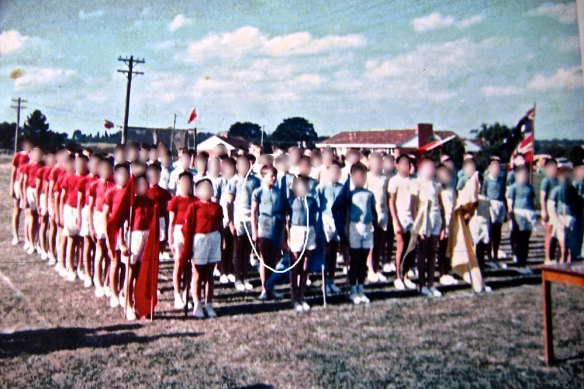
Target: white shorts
[[360, 235], [162, 228], [31, 199], [84, 231], [406, 223], [497, 211], [99, 225], [70, 221], [43, 204], [207, 248], [298, 236], [137, 244], [242, 220], [178, 240], [330, 229], [17, 192]]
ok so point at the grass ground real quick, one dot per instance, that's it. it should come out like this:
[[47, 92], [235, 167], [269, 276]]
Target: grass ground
[[56, 334]]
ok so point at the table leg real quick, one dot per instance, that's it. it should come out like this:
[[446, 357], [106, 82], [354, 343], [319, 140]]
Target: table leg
[[547, 322]]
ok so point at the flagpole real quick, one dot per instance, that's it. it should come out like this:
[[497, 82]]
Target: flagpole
[[533, 144], [129, 240]]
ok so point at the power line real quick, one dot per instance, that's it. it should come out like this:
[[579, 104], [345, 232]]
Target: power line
[[129, 74], [17, 107]]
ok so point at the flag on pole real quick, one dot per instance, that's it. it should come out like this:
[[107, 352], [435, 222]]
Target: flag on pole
[[108, 124], [120, 214], [524, 131], [193, 116], [146, 288]]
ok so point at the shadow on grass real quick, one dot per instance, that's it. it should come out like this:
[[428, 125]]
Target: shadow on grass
[[47, 340]]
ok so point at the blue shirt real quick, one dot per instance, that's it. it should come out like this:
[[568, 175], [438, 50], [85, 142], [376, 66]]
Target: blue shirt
[[327, 194], [547, 184], [269, 209], [243, 192], [494, 189], [522, 196], [567, 199], [297, 210]]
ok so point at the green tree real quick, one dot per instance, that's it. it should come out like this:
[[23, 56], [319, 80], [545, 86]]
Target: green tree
[[453, 148], [495, 140], [7, 135], [294, 130], [37, 128], [250, 131]]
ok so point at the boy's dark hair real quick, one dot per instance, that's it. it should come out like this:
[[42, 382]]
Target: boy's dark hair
[[300, 179], [123, 165], [154, 166], [337, 163], [550, 161], [358, 167], [119, 147], [82, 156], [228, 161], [141, 176], [469, 161], [442, 166], [402, 156], [521, 168], [187, 175], [304, 158], [202, 180], [267, 168], [495, 159], [203, 154], [244, 156], [88, 150]]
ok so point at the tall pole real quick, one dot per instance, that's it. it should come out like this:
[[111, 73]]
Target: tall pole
[[533, 143], [129, 74], [17, 107], [172, 134], [262, 138]]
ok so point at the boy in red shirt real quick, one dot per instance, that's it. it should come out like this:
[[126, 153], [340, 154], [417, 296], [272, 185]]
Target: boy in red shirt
[[161, 197], [132, 251], [177, 209], [19, 159], [202, 235], [97, 223], [71, 214], [68, 170], [53, 178], [113, 197], [28, 181], [84, 232], [42, 204]]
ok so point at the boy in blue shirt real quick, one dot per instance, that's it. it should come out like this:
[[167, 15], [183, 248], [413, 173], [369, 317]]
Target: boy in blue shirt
[[520, 202], [494, 189], [304, 169], [266, 211], [302, 211], [362, 216], [549, 182], [327, 194]]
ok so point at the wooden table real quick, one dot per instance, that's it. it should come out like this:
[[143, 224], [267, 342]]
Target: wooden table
[[564, 273]]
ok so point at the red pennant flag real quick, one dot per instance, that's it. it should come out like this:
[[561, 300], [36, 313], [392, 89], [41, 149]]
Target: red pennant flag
[[146, 288], [120, 214], [193, 116], [108, 124]]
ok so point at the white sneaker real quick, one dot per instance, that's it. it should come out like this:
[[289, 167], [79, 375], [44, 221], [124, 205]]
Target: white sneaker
[[178, 301], [487, 289], [122, 299], [399, 284], [52, 261], [381, 277], [247, 285], [305, 306], [409, 284], [426, 292], [216, 272], [364, 299], [447, 279], [298, 307], [107, 291], [239, 286], [231, 277], [25, 246], [354, 295], [210, 312], [435, 292], [30, 250], [38, 250], [413, 273], [44, 256], [14, 241], [308, 281], [130, 314], [87, 283], [198, 311], [71, 276], [223, 279], [389, 268], [334, 289], [99, 293], [114, 302], [501, 254], [372, 277], [80, 275]]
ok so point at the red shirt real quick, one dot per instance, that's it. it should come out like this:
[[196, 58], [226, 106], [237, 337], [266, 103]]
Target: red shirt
[[97, 190], [142, 213], [179, 205], [84, 187], [57, 172], [43, 176], [30, 170], [71, 188], [206, 216], [112, 198], [160, 196], [20, 159]]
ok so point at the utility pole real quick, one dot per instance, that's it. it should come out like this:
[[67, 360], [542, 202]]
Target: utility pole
[[172, 134], [130, 62], [17, 107]]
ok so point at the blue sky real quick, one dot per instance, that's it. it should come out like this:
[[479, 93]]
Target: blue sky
[[344, 65]]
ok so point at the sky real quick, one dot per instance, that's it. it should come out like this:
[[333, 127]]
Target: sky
[[343, 65]]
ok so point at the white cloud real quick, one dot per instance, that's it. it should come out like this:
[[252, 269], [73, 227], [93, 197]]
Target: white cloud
[[571, 43], [570, 78], [35, 77], [563, 13], [91, 14], [11, 41], [250, 39], [436, 21], [431, 22], [501, 90], [179, 21], [309, 78]]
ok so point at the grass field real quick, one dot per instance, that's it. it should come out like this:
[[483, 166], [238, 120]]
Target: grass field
[[56, 334]]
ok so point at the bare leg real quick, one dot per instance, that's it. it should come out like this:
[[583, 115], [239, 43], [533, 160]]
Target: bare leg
[[15, 219]]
